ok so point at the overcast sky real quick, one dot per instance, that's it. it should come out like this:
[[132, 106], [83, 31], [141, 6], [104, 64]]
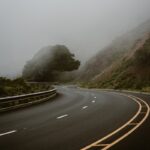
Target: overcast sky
[[84, 26]]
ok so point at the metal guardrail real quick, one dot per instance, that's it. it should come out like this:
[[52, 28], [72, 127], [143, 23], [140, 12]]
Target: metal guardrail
[[13, 102]]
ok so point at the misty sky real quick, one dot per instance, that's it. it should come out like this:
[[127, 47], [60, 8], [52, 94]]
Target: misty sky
[[84, 26]]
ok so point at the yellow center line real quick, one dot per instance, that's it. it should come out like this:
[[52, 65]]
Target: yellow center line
[[123, 126], [132, 130]]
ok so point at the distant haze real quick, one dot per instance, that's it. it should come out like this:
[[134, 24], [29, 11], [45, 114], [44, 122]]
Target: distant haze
[[84, 26]]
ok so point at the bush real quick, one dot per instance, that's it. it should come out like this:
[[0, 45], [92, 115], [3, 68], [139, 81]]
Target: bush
[[18, 86]]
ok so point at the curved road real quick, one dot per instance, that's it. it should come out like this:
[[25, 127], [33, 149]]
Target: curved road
[[71, 121]]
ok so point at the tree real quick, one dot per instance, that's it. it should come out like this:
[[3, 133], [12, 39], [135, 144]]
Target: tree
[[49, 63]]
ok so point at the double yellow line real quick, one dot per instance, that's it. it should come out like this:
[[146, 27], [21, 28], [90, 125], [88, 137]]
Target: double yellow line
[[141, 110]]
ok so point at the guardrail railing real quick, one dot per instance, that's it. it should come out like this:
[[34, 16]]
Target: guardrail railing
[[13, 102]]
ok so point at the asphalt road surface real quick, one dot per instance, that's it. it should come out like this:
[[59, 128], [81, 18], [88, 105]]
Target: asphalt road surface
[[73, 120]]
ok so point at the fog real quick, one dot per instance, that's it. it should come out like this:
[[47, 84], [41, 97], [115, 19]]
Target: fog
[[84, 26]]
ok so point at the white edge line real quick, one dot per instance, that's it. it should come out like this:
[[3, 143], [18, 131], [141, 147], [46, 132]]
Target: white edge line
[[84, 107], [10, 132], [60, 117]]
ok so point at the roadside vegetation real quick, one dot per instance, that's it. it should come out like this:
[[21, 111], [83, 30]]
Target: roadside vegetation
[[11, 87], [130, 72], [50, 64]]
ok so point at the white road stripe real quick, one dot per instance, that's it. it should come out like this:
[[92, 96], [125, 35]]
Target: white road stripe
[[84, 107], [60, 117], [10, 132], [95, 97], [138, 101], [93, 101]]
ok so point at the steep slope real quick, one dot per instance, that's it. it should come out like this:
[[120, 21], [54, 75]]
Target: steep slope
[[132, 71], [112, 53]]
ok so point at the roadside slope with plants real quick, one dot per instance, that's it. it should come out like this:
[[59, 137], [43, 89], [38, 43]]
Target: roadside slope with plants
[[125, 64], [11, 87], [132, 71]]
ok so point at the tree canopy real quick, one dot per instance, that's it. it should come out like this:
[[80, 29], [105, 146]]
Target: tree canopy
[[49, 63]]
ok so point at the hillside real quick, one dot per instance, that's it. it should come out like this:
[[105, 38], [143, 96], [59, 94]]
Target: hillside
[[130, 72], [123, 64]]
